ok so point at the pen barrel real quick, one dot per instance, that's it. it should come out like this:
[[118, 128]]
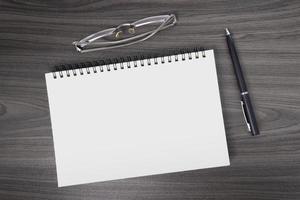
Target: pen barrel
[[250, 115], [236, 64]]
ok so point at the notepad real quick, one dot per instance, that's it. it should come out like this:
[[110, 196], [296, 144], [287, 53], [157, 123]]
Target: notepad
[[136, 118]]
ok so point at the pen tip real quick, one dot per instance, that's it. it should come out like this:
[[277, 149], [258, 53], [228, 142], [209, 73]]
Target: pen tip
[[227, 31]]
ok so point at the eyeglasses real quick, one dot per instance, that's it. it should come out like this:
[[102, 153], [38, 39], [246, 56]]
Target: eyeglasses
[[125, 34]]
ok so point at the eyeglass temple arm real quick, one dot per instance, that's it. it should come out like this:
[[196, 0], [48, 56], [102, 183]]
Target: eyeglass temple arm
[[155, 19]]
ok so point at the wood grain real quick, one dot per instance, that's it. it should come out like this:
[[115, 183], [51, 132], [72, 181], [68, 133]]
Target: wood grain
[[37, 35]]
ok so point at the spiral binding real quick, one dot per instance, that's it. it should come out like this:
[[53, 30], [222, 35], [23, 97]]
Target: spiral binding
[[122, 63]]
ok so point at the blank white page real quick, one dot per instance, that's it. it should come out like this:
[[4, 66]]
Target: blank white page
[[137, 121]]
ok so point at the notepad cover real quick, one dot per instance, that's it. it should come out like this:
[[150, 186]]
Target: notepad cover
[[137, 121]]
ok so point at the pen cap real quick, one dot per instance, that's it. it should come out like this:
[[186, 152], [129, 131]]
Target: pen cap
[[249, 114]]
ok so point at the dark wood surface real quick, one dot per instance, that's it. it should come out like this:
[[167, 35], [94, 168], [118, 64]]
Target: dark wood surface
[[37, 35]]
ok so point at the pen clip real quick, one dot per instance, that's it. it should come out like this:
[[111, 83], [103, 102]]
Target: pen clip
[[245, 116]]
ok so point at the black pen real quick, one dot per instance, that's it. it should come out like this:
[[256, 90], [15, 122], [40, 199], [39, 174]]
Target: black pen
[[245, 98]]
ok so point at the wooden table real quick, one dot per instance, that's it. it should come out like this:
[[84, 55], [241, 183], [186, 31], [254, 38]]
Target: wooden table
[[37, 35]]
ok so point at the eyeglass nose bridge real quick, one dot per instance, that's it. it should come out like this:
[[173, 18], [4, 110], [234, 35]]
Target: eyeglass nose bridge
[[124, 28]]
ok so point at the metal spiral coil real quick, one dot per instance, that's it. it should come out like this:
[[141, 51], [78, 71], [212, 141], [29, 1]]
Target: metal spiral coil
[[122, 63]]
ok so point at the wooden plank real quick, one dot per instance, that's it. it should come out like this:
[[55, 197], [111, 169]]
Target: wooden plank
[[37, 35]]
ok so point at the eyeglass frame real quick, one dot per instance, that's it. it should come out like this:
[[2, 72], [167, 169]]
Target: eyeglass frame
[[165, 21]]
